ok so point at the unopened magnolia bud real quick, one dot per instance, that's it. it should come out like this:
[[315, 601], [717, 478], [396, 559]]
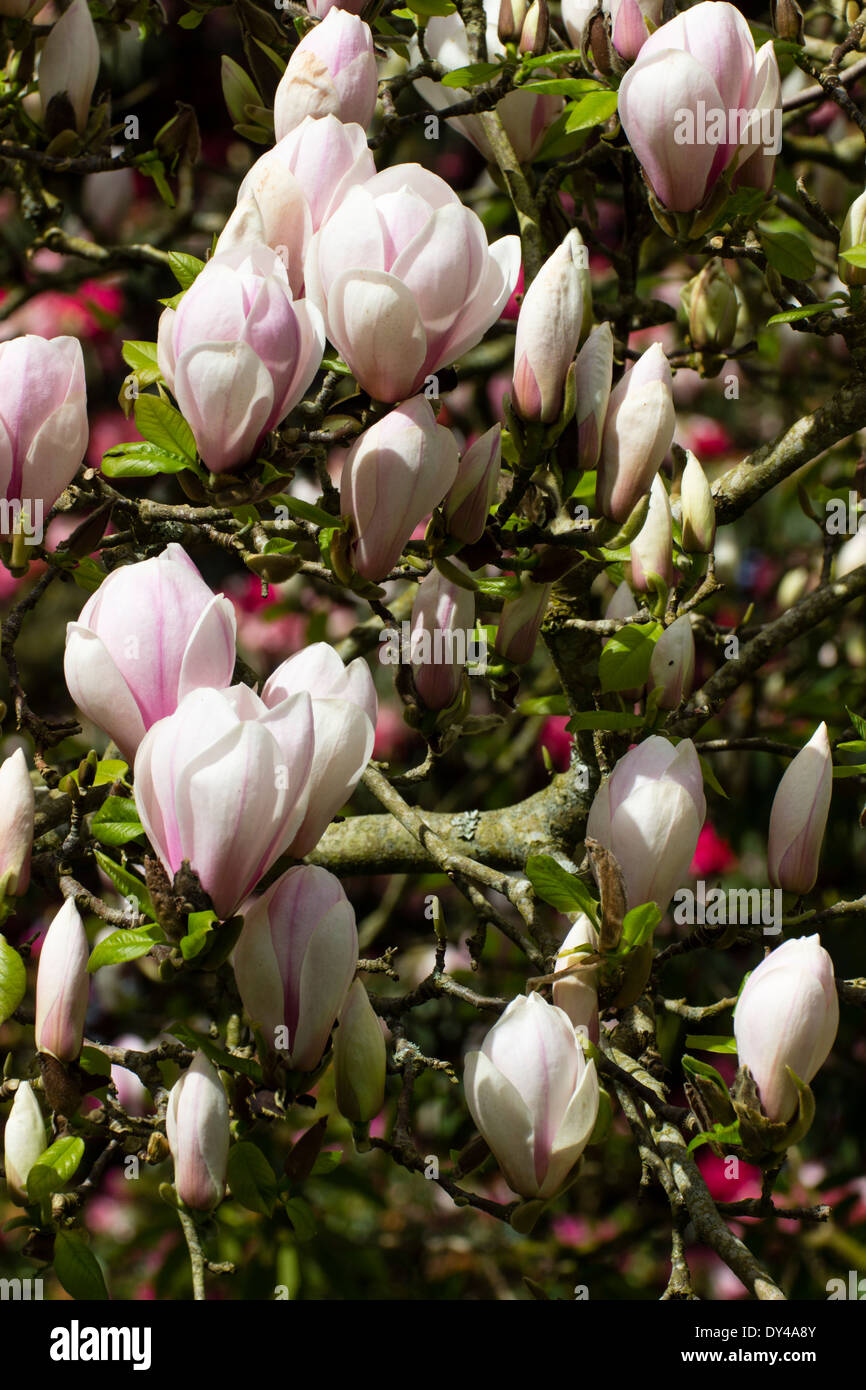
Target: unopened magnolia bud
[[672, 666], [442, 614], [17, 810], [548, 330], [853, 234], [638, 430], [23, 1138], [787, 20], [710, 300], [512, 13], [197, 1123], [69, 63], [536, 29], [62, 986], [359, 1059], [592, 382], [652, 548], [698, 509], [474, 490], [799, 816], [520, 621]]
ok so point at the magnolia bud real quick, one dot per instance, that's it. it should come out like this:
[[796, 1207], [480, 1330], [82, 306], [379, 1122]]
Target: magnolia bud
[[652, 551], [698, 509], [548, 330], [197, 1124], [62, 986], [787, 1017], [592, 380], [799, 816], [536, 29], [853, 234], [359, 1058], [711, 303], [520, 621], [474, 490], [787, 20], [17, 809], [622, 605], [23, 1138], [576, 994], [69, 63], [512, 13], [442, 615], [638, 430], [672, 665]]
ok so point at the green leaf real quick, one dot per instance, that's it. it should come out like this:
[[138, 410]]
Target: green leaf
[[54, 1167], [508, 586], [326, 1162], [125, 945], [712, 1042], [138, 460], [13, 980], [224, 1060], [155, 169], [94, 1062], [692, 1067], [552, 60], [164, 426], [555, 885], [788, 253], [564, 86], [251, 1178], [546, 704], [116, 821], [618, 721], [141, 357], [427, 8], [710, 777], [88, 575], [184, 268], [303, 1222], [108, 771], [856, 255], [858, 722], [625, 658], [719, 1134], [307, 511], [849, 770], [77, 1267], [475, 75], [199, 927], [746, 203], [125, 882], [592, 110], [191, 20], [639, 924], [806, 311]]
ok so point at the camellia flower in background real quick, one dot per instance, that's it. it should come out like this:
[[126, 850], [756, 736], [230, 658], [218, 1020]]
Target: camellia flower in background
[[475, 488], [548, 330], [197, 1125], [787, 1016], [295, 960], [520, 622], [393, 476], [443, 615], [672, 665], [638, 430], [68, 67], [17, 811], [62, 986], [360, 1059], [649, 813], [151, 633], [533, 1095], [223, 783], [24, 1139], [652, 550], [300, 182], [798, 817], [43, 426], [698, 103], [526, 116], [345, 710], [332, 72], [238, 353], [406, 280]]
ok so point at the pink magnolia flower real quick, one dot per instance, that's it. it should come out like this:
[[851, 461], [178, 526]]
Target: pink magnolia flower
[[548, 329], [638, 430], [69, 62], [17, 811], [798, 817], [62, 986], [331, 72], [197, 1125], [43, 423]]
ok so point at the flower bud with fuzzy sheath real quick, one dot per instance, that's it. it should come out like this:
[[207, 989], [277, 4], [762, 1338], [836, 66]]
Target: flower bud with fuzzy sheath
[[787, 1016], [698, 509], [197, 1124], [360, 1059], [442, 614], [548, 329], [17, 812], [62, 986], [638, 430], [672, 665], [652, 550], [712, 307], [798, 817], [23, 1138], [295, 960], [533, 1095], [332, 72], [577, 994], [475, 488]]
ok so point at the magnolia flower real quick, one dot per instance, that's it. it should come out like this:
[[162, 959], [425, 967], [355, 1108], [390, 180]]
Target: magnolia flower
[[197, 1125], [151, 633], [631, 22], [649, 813], [533, 1095], [295, 960], [360, 1059], [406, 280], [698, 508], [853, 234], [475, 488], [223, 783], [23, 1139], [699, 102], [69, 62], [442, 615], [787, 1016], [17, 811], [592, 383], [576, 994], [331, 72], [548, 329], [43, 432], [638, 429], [62, 986], [238, 354], [652, 548], [799, 816], [526, 116], [672, 665]]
